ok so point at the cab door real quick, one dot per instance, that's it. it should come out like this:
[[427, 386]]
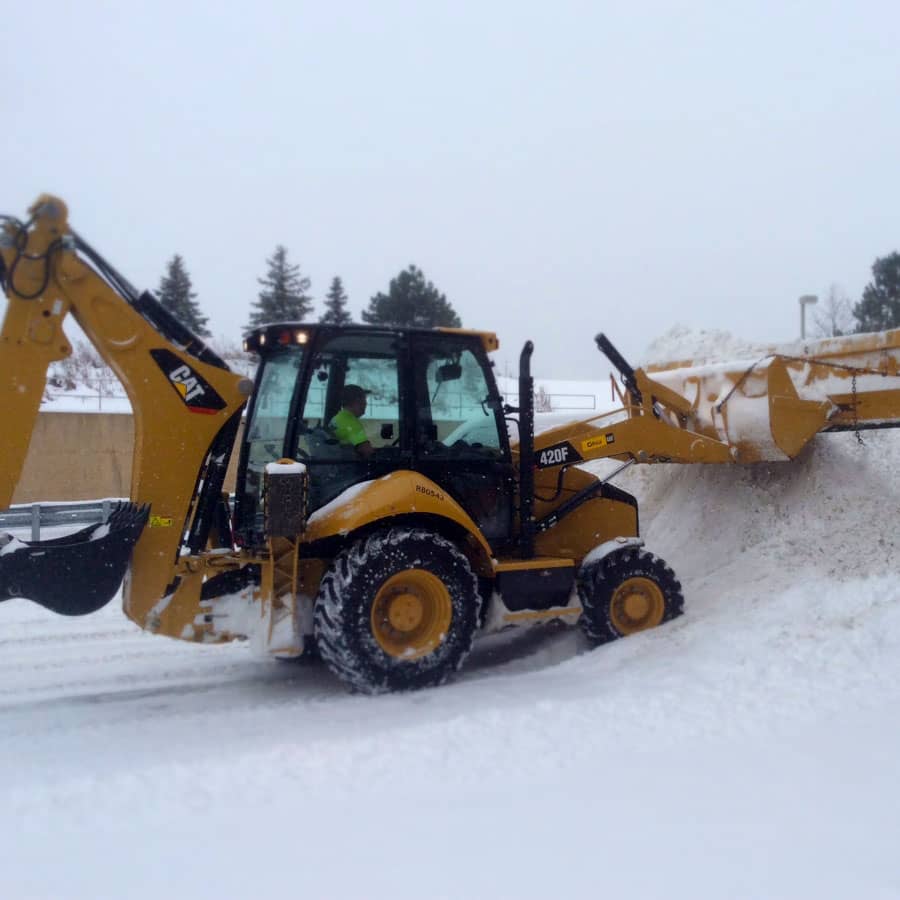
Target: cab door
[[370, 361], [459, 433]]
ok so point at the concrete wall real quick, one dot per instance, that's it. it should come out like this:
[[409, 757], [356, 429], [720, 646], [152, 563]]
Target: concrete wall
[[82, 456]]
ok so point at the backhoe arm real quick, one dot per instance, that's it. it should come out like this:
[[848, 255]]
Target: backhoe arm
[[186, 403]]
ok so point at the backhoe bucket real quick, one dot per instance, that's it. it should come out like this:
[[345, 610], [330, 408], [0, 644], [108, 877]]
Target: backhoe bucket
[[76, 574]]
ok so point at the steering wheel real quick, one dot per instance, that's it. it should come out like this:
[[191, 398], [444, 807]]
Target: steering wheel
[[457, 448]]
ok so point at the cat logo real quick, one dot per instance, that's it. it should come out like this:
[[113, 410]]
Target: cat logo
[[196, 392], [185, 383]]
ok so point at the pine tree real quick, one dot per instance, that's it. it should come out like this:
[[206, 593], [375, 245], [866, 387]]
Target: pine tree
[[411, 301], [336, 305], [283, 297], [879, 308], [176, 295]]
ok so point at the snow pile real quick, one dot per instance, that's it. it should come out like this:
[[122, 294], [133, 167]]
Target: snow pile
[[683, 344], [832, 506], [744, 534]]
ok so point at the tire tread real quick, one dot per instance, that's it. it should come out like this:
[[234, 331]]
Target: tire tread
[[598, 581], [348, 585]]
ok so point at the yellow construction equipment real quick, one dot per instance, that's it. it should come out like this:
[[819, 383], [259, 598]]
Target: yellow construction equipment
[[382, 514]]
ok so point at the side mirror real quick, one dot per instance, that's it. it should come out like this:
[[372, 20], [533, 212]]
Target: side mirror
[[449, 372], [387, 431]]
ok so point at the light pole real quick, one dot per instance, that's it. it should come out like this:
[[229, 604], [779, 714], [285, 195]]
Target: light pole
[[805, 300]]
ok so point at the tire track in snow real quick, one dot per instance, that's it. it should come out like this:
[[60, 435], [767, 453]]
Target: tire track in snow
[[12, 643]]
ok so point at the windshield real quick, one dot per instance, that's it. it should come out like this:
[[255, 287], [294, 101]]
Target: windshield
[[267, 426]]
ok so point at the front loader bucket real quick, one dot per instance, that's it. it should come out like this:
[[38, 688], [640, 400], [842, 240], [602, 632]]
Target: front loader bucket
[[76, 574], [771, 407]]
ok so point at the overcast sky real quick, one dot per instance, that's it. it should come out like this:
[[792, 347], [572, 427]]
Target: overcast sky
[[556, 169]]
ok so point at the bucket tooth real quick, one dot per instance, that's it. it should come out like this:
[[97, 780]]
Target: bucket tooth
[[76, 574]]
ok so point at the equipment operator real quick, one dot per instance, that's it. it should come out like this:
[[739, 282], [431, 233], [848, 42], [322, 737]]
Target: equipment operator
[[346, 425]]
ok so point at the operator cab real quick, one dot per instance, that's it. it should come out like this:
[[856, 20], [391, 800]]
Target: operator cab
[[432, 406]]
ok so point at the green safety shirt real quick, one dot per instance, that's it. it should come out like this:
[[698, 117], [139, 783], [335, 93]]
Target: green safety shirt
[[348, 429]]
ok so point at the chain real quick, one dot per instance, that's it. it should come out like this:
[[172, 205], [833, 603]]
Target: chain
[[854, 400], [856, 370]]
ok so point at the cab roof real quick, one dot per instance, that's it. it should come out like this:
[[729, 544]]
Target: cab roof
[[301, 332]]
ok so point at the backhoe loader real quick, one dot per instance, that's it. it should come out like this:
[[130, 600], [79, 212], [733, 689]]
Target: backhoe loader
[[388, 562]]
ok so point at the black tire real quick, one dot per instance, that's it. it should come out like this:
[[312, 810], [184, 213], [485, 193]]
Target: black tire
[[354, 627], [629, 575]]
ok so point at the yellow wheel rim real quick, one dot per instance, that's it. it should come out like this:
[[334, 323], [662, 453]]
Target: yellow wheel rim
[[411, 614], [637, 603]]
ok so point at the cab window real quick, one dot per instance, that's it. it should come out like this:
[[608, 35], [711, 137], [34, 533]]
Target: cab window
[[458, 416], [350, 418]]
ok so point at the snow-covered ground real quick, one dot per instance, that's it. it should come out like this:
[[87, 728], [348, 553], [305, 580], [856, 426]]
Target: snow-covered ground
[[749, 749]]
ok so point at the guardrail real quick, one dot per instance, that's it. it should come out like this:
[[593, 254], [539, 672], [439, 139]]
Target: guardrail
[[556, 402], [48, 515], [89, 401]]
